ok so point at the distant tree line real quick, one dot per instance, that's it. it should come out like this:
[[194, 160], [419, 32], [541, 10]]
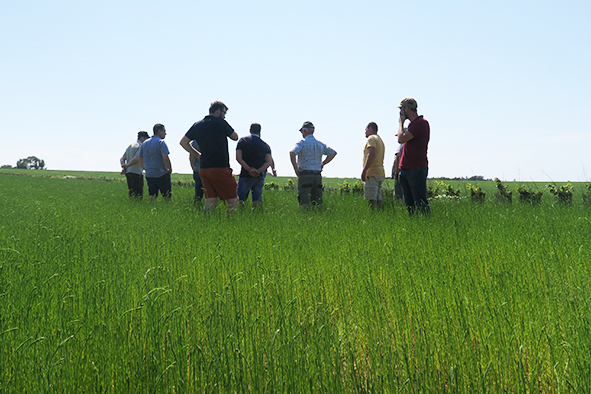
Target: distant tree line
[[472, 178], [30, 163]]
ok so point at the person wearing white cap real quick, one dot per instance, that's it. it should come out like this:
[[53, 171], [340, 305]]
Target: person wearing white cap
[[307, 162]]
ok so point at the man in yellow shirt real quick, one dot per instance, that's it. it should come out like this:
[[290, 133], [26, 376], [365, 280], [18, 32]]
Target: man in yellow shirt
[[373, 173]]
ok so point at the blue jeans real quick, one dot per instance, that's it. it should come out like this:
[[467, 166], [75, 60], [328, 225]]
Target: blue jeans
[[414, 189], [245, 185], [198, 186]]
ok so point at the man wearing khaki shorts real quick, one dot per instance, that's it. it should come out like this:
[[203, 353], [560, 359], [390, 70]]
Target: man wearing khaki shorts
[[373, 173], [211, 134]]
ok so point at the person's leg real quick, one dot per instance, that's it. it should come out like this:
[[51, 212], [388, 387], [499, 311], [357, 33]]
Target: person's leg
[[209, 205], [232, 205], [398, 190], [165, 185], [243, 190], [379, 198], [129, 179], [198, 187], [316, 192], [226, 188], [209, 191], [137, 185], [417, 181], [257, 191], [370, 191], [140, 186], [406, 190], [304, 190], [421, 201], [152, 188]]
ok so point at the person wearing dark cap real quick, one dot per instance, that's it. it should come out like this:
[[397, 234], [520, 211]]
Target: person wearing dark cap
[[414, 166], [307, 162], [131, 168]]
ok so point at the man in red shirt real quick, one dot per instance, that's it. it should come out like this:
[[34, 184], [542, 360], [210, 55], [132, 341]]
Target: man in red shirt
[[414, 165]]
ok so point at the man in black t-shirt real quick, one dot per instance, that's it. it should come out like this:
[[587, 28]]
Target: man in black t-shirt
[[211, 134], [254, 155]]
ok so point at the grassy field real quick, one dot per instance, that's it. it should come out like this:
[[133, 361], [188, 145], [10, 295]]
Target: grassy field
[[102, 294]]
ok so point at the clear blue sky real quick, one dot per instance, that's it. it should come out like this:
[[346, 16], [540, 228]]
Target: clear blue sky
[[505, 84]]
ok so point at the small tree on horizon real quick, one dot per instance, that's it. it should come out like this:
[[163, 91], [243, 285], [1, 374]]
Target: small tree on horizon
[[31, 163]]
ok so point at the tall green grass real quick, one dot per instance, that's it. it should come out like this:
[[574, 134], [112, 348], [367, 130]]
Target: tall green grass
[[102, 294]]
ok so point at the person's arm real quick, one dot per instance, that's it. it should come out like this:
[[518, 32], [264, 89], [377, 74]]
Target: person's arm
[[395, 169], [251, 171], [186, 144], [268, 162], [122, 161], [273, 166], [371, 156], [234, 136], [294, 163], [167, 162], [142, 164], [403, 134], [132, 162], [329, 158]]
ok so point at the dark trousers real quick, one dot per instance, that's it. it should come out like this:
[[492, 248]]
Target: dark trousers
[[198, 186], [310, 188], [414, 189], [135, 184], [162, 184]]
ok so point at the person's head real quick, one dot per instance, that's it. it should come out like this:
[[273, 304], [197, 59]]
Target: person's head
[[255, 128], [218, 109], [142, 136], [159, 130], [307, 128], [408, 106], [371, 128]]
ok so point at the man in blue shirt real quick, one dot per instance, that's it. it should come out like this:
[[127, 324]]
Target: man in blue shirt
[[154, 159], [309, 165], [254, 155]]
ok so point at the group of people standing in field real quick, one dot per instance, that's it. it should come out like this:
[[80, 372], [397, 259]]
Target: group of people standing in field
[[207, 145]]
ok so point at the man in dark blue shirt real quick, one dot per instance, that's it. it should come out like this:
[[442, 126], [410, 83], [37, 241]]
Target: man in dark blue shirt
[[211, 134], [254, 155]]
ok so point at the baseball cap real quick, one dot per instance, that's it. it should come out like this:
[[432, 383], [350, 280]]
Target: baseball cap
[[307, 125], [143, 134], [409, 103]]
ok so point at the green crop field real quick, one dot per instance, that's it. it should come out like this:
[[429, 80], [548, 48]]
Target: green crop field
[[102, 294]]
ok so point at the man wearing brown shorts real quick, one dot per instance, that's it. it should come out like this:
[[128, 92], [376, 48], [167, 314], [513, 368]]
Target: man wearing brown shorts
[[211, 134]]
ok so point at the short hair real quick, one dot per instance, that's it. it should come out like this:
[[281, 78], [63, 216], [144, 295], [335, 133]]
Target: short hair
[[255, 128], [409, 103], [373, 125], [157, 127], [143, 134], [216, 105]]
